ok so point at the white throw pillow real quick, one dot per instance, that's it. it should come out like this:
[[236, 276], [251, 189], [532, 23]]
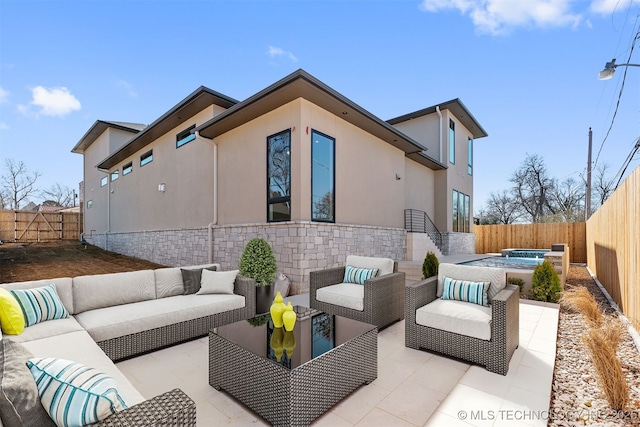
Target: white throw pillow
[[217, 282]]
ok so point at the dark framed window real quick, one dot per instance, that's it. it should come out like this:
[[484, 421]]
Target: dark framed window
[[452, 142], [104, 181], [470, 156], [146, 158], [115, 175], [185, 136], [279, 176], [127, 169], [461, 213], [323, 188]]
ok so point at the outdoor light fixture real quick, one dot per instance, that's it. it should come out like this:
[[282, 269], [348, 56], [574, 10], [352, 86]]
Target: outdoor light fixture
[[610, 68]]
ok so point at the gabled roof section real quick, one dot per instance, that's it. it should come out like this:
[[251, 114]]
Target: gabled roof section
[[457, 108], [197, 101], [99, 127], [301, 84]]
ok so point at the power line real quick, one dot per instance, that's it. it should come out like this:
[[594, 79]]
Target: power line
[[627, 162]]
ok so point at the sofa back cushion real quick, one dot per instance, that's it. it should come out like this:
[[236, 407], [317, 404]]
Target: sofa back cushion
[[496, 276], [384, 265], [169, 280], [63, 288], [107, 290]]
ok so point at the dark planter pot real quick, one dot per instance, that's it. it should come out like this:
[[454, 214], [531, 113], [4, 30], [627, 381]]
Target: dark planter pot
[[264, 298]]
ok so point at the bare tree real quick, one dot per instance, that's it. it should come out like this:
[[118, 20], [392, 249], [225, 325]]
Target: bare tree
[[59, 195], [532, 188], [568, 201], [4, 200], [602, 186], [18, 183], [502, 208]]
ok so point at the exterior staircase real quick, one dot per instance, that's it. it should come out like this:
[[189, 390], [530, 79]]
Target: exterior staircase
[[412, 270]]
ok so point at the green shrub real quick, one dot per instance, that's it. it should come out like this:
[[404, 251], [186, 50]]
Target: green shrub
[[545, 283], [258, 262], [516, 281], [430, 265]]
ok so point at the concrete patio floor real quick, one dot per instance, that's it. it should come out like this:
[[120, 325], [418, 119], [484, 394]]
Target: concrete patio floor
[[413, 388]]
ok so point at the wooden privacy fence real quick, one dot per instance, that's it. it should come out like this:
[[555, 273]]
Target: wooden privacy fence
[[613, 238], [30, 226], [494, 238]]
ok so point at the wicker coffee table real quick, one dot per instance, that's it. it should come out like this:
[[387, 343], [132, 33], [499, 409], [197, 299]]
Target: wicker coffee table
[[291, 378]]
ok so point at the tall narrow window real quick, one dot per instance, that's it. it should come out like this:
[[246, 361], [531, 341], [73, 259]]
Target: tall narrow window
[[322, 177], [467, 213], [279, 176], [454, 204], [146, 158], [185, 136], [104, 181], [470, 156], [452, 141]]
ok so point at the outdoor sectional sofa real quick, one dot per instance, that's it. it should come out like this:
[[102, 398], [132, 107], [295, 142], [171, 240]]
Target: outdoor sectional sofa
[[117, 316]]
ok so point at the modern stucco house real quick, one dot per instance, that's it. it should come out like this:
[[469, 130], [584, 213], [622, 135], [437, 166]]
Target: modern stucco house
[[297, 163]]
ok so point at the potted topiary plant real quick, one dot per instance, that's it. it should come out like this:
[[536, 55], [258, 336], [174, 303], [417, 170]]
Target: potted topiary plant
[[258, 262], [430, 265]]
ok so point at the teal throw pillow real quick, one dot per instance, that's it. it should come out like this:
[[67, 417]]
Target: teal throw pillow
[[464, 290], [75, 395], [40, 304], [358, 275]]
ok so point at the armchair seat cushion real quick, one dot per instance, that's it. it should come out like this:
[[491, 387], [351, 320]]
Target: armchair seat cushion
[[459, 317], [349, 295]]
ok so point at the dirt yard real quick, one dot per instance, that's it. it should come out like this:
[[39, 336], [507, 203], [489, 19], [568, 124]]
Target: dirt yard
[[33, 261]]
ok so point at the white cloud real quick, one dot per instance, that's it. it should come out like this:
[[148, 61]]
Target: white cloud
[[500, 16], [4, 96], [57, 101], [606, 7], [277, 52], [128, 87]]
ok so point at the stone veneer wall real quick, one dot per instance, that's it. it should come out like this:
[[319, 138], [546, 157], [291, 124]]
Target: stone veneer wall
[[299, 246], [458, 243]]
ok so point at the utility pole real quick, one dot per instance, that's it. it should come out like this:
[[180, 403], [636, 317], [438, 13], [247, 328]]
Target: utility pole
[[587, 204]]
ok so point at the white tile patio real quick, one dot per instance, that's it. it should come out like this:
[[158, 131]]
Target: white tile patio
[[413, 388]]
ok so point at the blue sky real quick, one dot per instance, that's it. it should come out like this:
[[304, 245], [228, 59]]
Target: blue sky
[[526, 69]]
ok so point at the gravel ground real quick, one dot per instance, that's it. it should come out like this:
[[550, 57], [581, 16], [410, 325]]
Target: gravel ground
[[577, 398]]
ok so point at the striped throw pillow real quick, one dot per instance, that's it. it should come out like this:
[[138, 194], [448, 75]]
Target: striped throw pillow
[[74, 395], [464, 290], [40, 304], [358, 275]]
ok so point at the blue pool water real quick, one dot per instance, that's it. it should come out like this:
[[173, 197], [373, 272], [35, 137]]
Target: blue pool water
[[510, 262]]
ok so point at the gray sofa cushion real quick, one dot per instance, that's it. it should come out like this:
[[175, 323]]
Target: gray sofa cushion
[[169, 280], [496, 276], [63, 288], [49, 328], [107, 290], [79, 347], [459, 317], [19, 400], [113, 322], [191, 279]]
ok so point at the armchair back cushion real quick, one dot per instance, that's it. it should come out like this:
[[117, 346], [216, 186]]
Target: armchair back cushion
[[496, 276], [384, 265]]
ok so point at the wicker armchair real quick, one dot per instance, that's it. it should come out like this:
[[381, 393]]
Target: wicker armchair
[[493, 353], [383, 300]]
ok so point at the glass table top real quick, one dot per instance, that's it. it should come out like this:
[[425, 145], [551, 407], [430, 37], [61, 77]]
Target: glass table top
[[314, 334]]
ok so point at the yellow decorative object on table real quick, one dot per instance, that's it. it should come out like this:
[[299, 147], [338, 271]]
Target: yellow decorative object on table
[[276, 310], [289, 318], [276, 342]]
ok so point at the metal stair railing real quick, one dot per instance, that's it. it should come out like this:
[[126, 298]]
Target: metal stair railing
[[417, 221]]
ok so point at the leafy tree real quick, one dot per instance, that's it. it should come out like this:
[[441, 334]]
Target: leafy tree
[[18, 184]]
